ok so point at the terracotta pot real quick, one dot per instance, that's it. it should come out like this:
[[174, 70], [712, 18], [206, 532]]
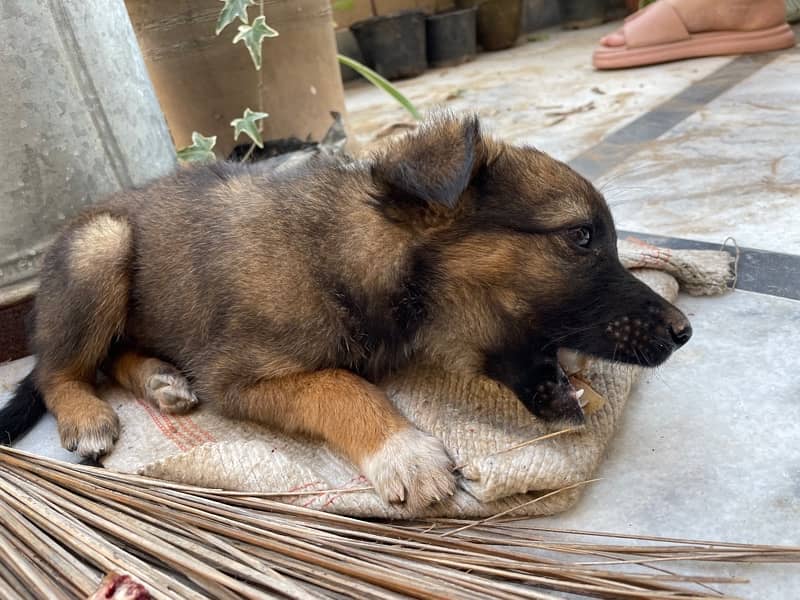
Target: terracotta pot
[[204, 81]]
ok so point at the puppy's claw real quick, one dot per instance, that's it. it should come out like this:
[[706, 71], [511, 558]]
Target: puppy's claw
[[412, 468], [171, 393], [566, 417]]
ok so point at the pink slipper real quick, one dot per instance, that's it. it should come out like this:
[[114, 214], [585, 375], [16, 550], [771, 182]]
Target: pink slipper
[[657, 34]]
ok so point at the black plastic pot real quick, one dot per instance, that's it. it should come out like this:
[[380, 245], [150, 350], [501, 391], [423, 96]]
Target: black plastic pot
[[579, 14], [393, 45], [499, 22], [451, 37]]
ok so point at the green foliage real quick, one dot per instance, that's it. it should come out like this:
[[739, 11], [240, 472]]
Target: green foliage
[[232, 10], [247, 125], [380, 83], [253, 35], [201, 149]]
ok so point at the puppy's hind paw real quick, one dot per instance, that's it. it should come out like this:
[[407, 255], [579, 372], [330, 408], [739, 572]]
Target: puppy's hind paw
[[170, 392], [411, 468]]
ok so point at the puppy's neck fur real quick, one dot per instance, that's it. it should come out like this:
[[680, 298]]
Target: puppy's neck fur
[[386, 306]]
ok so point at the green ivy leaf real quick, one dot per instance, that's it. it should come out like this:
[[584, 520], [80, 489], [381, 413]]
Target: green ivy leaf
[[253, 35], [201, 149], [232, 10], [247, 124], [342, 4]]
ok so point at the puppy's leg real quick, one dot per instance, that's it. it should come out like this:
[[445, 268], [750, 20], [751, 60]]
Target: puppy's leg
[[156, 381], [80, 308], [404, 464]]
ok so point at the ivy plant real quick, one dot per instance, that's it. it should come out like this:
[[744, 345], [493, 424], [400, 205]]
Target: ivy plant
[[252, 34]]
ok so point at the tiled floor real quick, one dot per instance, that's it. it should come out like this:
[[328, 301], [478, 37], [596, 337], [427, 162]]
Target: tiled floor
[[710, 443], [739, 162]]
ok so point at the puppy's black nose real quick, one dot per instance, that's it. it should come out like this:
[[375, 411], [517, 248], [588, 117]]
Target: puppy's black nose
[[680, 332]]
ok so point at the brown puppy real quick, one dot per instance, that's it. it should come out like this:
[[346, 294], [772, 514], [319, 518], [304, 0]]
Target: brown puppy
[[288, 294]]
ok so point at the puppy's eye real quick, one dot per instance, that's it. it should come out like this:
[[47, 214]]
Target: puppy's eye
[[580, 236]]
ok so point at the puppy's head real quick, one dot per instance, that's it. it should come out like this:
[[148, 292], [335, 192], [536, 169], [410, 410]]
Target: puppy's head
[[527, 240]]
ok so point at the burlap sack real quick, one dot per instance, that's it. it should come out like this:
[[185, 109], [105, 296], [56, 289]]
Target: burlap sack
[[479, 421]]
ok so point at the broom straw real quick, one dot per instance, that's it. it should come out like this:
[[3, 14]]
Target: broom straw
[[65, 526]]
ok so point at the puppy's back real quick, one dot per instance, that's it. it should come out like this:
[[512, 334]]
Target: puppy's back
[[239, 248]]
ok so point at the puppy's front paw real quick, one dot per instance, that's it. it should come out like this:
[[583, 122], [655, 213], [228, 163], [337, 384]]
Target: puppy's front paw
[[555, 399], [411, 468], [91, 432], [558, 403]]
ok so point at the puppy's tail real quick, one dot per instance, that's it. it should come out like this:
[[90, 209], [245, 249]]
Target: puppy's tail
[[22, 412]]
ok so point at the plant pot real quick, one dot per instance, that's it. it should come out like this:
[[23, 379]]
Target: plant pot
[[204, 81], [393, 45], [451, 37], [579, 14], [499, 22]]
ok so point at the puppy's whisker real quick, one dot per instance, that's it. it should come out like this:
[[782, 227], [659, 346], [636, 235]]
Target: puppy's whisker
[[615, 176], [573, 331], [641, 357]]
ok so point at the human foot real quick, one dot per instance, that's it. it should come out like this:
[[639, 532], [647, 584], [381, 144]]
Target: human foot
[[716, 15], [670, 30]]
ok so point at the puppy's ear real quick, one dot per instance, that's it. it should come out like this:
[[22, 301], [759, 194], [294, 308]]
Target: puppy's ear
[[433, 165]]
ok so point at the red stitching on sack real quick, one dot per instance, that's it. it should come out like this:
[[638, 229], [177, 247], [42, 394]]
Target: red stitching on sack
[[165, 429], [204, 435]]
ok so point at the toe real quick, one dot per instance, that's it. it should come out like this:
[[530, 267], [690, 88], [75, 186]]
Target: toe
[[613, 40]]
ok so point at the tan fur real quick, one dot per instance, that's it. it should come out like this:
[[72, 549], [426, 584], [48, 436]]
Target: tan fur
[[352, 414], [132, 371], [97, 242]]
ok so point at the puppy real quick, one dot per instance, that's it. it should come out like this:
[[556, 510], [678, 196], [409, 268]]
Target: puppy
[[287, 295]]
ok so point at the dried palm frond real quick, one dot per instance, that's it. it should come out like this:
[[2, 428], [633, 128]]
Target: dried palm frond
[[64, 527]]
